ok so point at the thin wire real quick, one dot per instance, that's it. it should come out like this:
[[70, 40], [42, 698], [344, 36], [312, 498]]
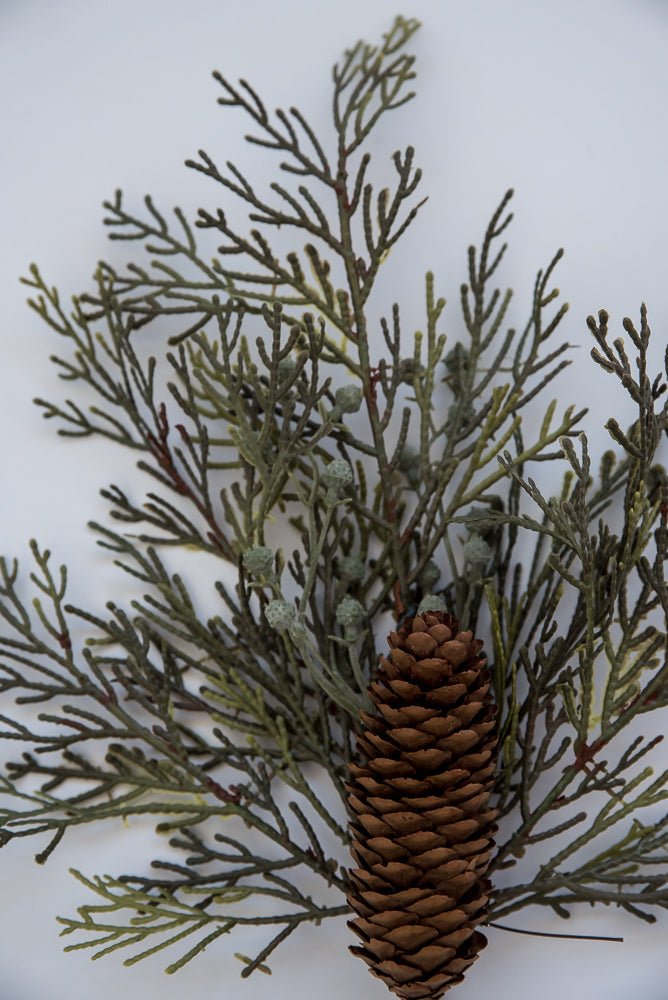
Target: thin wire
[[575, 937]]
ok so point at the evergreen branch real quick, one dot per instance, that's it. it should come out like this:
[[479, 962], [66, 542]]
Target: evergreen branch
[[339, 479]]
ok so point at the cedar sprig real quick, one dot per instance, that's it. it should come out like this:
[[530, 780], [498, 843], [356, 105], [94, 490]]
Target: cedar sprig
[[250, 388]]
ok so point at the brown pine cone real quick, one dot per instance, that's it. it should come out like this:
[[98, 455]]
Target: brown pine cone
[[421, 823]]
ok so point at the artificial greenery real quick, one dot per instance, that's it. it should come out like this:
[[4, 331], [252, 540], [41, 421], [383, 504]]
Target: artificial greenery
[[340, 483]]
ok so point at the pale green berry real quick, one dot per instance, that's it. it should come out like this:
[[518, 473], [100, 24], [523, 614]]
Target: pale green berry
[[348, 398], [430, 603], [352, 567], [476, 551], [429, 576], [280, 614], [259, 561], [297, 629], [338, 474], [409, 463], [349, 613], [337, 477], [286, 367]]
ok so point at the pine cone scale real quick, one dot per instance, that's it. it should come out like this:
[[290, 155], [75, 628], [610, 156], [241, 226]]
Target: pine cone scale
[[421, 823]]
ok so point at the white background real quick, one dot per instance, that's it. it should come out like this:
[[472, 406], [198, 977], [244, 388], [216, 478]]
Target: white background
[[564, 101]]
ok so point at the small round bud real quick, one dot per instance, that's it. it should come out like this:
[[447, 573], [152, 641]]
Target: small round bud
[[657, 482], [349, 612], [286, 367], [297, 629], [352, 567], [408, 457], [337, 477], [409, 463], [430, 603], [408, 369], [480, 520], [457, 360], [429, 576], [259, 561], [348, 398], [280, 615], [477, 552]]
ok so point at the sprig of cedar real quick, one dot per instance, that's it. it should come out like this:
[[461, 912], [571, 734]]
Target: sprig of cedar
[[158, 708]]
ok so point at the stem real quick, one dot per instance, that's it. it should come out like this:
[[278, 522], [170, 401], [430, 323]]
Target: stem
[[357, 300]]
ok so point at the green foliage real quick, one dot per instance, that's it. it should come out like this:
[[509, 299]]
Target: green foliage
[[387, 474]]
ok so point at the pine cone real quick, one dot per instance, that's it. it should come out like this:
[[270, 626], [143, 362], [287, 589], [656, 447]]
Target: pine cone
[[421, 825]]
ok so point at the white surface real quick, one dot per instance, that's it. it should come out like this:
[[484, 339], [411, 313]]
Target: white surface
[[565, 102]]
